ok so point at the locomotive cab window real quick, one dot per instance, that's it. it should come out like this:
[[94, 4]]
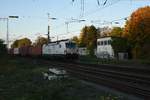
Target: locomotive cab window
[[70, 45], [105, 42], [102, 43], [109, 42]]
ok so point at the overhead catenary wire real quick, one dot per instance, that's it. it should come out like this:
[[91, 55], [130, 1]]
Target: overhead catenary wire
[[92, 12], [98, 21], [82, 14], [107, 23], [105, 2], [59, 26], [82, 8], [72, 32], [98, 2], [78, 30], [89, 13]]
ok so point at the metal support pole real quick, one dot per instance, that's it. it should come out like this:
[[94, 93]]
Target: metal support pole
[[7, 36], [48, 33], [7, 33]]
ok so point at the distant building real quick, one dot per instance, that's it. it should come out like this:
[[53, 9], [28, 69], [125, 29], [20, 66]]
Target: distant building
[[105, 49]]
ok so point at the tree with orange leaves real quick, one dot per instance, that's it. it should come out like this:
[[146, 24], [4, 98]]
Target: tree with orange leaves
[[137, 30]]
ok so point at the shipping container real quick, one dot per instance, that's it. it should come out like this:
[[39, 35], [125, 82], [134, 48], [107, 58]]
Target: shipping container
[[10, 51], [24, 51], [35, 51], [16, 51]]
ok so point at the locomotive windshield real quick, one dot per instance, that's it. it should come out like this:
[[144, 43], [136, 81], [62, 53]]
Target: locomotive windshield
[[70, 45]]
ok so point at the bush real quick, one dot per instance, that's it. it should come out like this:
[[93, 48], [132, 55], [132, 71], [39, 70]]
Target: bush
[[2, 47]]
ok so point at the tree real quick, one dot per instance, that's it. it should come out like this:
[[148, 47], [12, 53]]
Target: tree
[[83, 37], [103, 32], [15, 44], [117, 32], [40, 41], [88, 38], [2, 47], [21, 42], [137, 30], [120, 44], [76, 40], [91, 39], [24, 42]]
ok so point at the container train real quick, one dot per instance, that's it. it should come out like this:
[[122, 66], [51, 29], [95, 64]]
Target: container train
[[58, 49]]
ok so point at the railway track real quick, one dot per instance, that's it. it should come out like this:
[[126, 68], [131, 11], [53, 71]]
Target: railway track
[[130, 80]]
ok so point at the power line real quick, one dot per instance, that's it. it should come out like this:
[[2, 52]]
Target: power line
[[99, 9], [82, 8], [98, 2], [105, 2], [83, 3], [108, 22]]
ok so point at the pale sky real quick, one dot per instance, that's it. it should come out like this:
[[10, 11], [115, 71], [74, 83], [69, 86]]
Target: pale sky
[[33, 20]]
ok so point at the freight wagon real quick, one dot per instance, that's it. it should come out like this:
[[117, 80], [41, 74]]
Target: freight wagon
[[16, 51], [35, 51], [24, 51], [10, 51], [58, 49]]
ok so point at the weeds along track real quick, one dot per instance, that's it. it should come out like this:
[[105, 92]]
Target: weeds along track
[[131, 80]]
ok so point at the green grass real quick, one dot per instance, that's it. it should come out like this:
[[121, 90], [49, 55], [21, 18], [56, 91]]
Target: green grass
[[21, 79]]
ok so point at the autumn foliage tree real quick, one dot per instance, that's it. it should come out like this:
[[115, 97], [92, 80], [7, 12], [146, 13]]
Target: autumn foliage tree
[[137, 30], [40, 41], [91, 39], [76, 40], [21, 42], [117, 32], [88, 38], [83, 37], [24, 42], [15, 44]]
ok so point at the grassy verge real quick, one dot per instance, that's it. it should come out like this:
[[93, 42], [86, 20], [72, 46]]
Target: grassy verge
[[21, 79]]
